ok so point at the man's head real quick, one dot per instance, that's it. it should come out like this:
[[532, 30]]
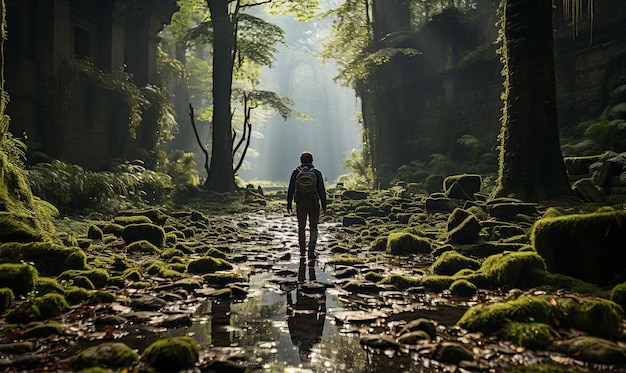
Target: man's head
[[306, 158]]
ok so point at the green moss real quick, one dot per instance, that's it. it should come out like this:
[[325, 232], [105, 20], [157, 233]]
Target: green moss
[[172, 354], [539, 368], [585, 246], [6, 299], [463, 288], [401, 282], [111, 228], [95, 233], [345, 260], [100, 296], [20, 278], [112, 355], [132, 274], [19, 228], [450, 262], [144, 231], [208, 264], [493, 317], [23, 313], [215, 253], [223, 279], [436, 283], [402, 243], [127, 220], [531, 334], [618, 295], [373, 276], [170, 253], [598, 317], [76, 295], [558, 281], [516, 269], [49, 258], [51, 305], [98, 277], [592, 349], [143, 246], [47, 285], [83, 282]]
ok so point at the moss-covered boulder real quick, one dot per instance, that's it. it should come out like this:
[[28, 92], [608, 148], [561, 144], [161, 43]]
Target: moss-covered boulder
[[403, 243], [450, 262], [20, 278], [47, 285], [172, 354], [593, 350], [51, 305], [514, 269], [597, 317], [143, 246], [466, 232], [19, 228], [421, 324], [208, 264], [49, 258], [144, 231], [463, 288], [470, 184], [25, 312], [95, 233], [110, 355], [223, 279], [528, 334], [76, 295], [6, 299], [618, 295], [131, 219], [97, 276], [586, 246]]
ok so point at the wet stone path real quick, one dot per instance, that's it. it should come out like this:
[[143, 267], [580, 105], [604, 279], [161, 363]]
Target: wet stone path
[[290, 314]]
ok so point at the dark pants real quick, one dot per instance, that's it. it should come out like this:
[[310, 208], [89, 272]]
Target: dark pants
[[311, 211]]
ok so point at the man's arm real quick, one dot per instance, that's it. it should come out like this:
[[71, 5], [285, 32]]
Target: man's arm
[[291, 190], [321, 190]]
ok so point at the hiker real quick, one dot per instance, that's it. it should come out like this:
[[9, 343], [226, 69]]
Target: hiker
[[306, 188]]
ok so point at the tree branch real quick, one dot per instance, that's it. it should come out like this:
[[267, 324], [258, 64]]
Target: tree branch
[[195, 131]]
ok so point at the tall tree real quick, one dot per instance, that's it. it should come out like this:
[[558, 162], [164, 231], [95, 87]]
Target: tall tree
[[531, 163], [221, 178], [225, 19]]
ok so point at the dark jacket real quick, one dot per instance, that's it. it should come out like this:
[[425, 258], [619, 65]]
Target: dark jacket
[[321, 190]]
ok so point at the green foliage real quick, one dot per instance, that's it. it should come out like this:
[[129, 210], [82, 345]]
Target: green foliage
[[361, 175]]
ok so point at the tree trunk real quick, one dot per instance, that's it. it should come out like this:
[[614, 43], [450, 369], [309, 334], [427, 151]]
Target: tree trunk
[[221, 177], [531, 163]]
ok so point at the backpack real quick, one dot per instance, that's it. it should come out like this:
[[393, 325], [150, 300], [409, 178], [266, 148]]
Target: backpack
[[306, 185]]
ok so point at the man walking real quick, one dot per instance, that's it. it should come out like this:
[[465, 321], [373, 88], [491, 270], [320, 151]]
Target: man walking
[[306, 188]]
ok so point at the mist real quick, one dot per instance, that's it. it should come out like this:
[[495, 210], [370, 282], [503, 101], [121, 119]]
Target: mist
[[333, 131]]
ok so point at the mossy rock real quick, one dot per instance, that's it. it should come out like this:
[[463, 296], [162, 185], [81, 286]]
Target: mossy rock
[[47, 285], [144, 231], [580, 165], [435, 204], [402, 282], [466, 232], [463, 288], [20, 278], [593, 350], [110, 355], [98, 277], [456, 217], [83, 282], [111, 228], [143, 246], [586, 246], [23, 313], [486, 249], [172, 354], [470, 183], [132, 219], [421, 324], [51, 305], [223, 279], [433, 184], [132, 274], [215, 253], [492, 318], [597, 317], [528, 334], [99, 296], [373, 276], [156, 216], [76, 295], [345, 260], [510, 211], [514, 269], [95, 233], [49, 258], [403, 243], [450, 262], [19, 228], [618, 295], [208, 264], [6, 299]]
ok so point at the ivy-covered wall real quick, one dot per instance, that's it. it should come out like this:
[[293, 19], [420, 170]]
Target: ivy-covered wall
[[445, 103]]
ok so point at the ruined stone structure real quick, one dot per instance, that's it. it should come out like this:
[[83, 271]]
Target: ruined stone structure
[[75, 118], [422, 105]]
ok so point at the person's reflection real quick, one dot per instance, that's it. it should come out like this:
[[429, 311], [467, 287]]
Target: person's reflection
[[306, 316]]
